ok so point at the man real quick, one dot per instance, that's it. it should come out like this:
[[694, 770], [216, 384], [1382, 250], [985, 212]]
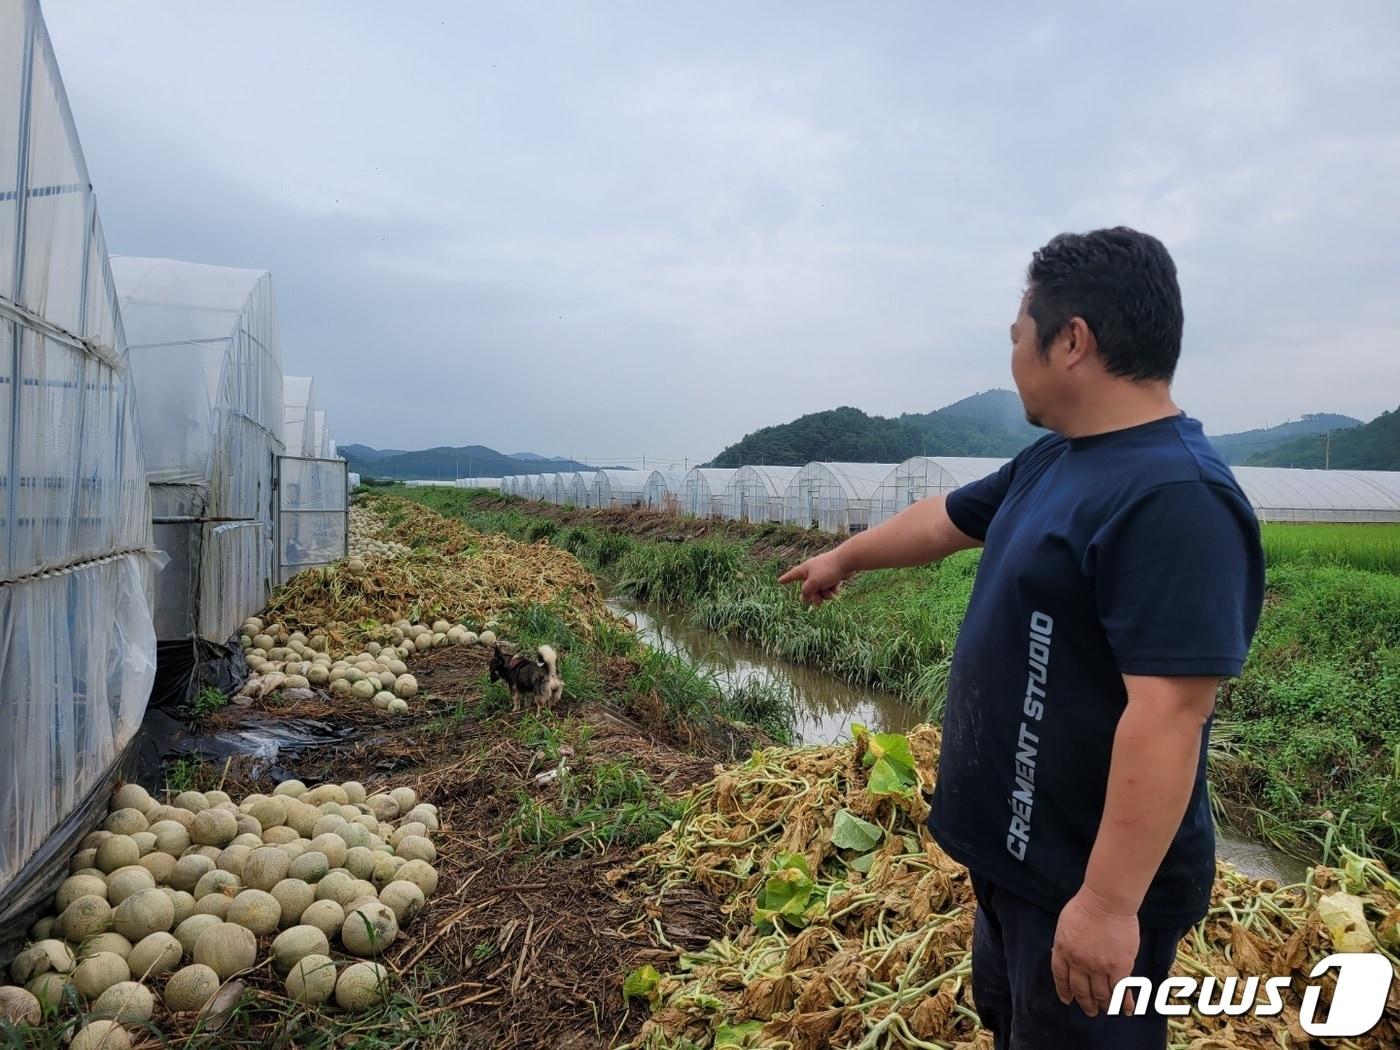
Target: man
[[1121, 578]]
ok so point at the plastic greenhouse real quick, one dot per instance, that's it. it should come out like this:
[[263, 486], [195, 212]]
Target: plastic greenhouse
[[206, 364], [619, 488], [77, 648], [662, 491], [702, 491], [321, 441], [549, 488], [1290, 494], [834, 497], [756, 493], [922, 476], [480, 483], [298, 408], [581, 493]]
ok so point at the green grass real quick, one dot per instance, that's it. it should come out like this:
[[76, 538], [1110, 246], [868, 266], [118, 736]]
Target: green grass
[[207, 701], [1375, 548], [1307, 748]]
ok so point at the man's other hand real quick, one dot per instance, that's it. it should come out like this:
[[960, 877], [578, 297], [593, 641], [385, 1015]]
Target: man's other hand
[[1095, 948], [821, 577]]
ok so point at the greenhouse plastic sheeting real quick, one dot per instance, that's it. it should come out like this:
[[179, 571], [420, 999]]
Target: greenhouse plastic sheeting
[[79, 661], [312, 515], [298, 408], [77, 649]]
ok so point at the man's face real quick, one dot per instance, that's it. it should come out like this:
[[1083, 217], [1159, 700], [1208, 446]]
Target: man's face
[[1029, 369]]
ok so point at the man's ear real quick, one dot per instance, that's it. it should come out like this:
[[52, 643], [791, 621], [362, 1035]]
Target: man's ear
[[1078, 341]]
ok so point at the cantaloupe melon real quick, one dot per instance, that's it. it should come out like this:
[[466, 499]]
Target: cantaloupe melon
[[101, 1035], [369, 929], [155, 956], [191, 988], [227, 949], [360, 986], [125, 1001], [95, 974]]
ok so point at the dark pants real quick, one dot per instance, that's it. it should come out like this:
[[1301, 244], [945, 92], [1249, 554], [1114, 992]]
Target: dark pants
[[1015, 991]]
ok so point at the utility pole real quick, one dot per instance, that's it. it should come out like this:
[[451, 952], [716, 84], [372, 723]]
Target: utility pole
[[1327, 450]]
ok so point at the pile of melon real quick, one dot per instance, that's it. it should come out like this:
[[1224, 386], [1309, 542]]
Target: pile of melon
[[378, 674], [173, 900]]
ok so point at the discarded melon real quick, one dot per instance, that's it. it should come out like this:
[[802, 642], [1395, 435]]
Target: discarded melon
[[214, 827], [293, 897], [118, 851], [255, 910], [215, 881], [49, 988], [189, 870], [105, 942], [125, 822], [86, 916], [191, 988], [360, 986], [404, 899], [155, 956], [265, 868], [76, 886], [101, 1035], [227, 949], [143, 914], [20, 1007], [369, 929], [50, 955], [187, 933], [311, 866], [295, 944], [421, 874], [416, 847], [132, 796], [95, 974], [125, 1001], [312, 979], [123, 882], [326, 915]]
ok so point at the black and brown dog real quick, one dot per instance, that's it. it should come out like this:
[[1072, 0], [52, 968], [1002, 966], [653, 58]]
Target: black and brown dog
[[538, 678]]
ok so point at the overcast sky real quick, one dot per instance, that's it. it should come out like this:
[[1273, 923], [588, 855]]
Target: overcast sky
[[615, 229]]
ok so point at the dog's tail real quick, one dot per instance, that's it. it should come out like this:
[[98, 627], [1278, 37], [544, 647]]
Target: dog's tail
[[550, 658]]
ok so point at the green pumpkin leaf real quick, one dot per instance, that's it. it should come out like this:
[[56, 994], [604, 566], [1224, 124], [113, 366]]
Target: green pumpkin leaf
[[864, 862], [849, 831]]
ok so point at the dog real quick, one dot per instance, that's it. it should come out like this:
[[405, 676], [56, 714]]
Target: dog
[[538, 678]]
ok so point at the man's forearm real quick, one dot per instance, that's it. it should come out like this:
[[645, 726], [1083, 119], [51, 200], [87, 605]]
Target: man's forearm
[[918, 535], [1155, 753]]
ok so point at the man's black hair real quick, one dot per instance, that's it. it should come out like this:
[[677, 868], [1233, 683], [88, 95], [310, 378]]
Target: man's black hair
[[1123, 284]]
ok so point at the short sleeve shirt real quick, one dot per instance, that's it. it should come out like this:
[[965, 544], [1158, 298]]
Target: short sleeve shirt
[[1129, 552]]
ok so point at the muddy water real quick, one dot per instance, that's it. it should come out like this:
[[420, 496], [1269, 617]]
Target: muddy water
[[826, 707]]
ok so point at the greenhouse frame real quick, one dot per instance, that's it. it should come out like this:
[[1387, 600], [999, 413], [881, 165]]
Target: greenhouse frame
[[919, 477], [553, 486], [834, 497], [77, 645], [755, 493], [662, 491], [703, 491], [620, 488]]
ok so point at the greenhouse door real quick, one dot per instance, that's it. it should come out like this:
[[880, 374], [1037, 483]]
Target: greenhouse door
[[313, 501]]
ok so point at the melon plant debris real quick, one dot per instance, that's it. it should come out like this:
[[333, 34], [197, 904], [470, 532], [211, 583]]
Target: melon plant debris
[[851, 928]]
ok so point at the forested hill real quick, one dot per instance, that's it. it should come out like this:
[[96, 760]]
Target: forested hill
[[1239, 447], [987, 424], [446, 463], [993, 423], [1372, 446]]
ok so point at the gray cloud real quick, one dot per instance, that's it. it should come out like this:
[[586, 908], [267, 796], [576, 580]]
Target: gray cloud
[[638, 228]]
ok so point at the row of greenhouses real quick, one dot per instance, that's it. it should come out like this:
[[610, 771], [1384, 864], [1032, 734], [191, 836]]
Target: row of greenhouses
[[158, 473], [850, 497]]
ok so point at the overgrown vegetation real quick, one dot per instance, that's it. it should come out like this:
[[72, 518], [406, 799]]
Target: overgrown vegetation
[[1307, 749]]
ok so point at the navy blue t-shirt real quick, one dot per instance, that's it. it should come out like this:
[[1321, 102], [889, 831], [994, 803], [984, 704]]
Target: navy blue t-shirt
[[1131, 552]]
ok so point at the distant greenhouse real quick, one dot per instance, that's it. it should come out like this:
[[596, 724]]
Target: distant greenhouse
[[1289, 494], [756, 493], [620, 488], [298, 416], [479, 483], [834, 497], [662, 491], [921, 476], [554, 488], [703, 491], [581, 491]]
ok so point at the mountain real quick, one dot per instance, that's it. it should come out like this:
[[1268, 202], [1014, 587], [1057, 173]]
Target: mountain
[[991, 423], [525, 455], [1238, 448], [1370, 446], [445, 463]]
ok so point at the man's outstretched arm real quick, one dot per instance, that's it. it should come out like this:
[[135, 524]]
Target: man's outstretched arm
[[918, 535]]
